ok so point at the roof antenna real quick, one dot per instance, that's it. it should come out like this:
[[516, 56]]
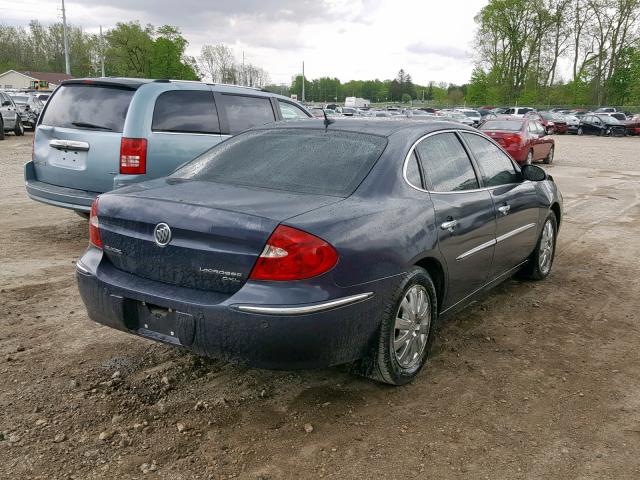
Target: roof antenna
[[327, 120]]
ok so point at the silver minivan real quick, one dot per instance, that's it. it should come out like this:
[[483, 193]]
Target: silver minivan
[[96, 135]]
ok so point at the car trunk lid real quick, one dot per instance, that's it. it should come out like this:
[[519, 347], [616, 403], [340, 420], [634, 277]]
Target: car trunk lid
[[217, 231]]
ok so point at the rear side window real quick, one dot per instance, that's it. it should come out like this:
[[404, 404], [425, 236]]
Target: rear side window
[[88, 106], [186, 111], [413, 171], [310, 161], [446, 164], [290, 111], [244, 113], [495, 165]]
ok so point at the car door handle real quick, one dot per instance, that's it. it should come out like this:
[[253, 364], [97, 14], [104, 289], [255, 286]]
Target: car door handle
[[504, 209], [449, 225]]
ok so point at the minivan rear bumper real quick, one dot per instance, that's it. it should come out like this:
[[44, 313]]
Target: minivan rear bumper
[[79, 200]]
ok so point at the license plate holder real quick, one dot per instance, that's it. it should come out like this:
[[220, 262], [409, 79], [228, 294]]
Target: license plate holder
[[71, 159], [164, 324]]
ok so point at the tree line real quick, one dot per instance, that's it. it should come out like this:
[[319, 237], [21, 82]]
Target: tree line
[[579, 52], [129, 50], [400, 89]]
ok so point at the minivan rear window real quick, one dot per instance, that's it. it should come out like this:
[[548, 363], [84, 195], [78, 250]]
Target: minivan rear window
[[88, 106], [295, 160]]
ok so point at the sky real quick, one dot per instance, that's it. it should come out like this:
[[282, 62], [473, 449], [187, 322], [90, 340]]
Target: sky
[[349, 39]]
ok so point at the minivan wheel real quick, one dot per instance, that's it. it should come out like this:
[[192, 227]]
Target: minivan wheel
[[540, 261], [549, 158], [19, 128], [406, 332]]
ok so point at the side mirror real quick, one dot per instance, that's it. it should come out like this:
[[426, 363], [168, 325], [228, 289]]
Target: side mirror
[[533, 173], [27, 107]]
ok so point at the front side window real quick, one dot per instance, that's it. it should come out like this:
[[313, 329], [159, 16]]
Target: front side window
[[245, 112], [445, 164], [185, 111], [290, 111], [495, 165]]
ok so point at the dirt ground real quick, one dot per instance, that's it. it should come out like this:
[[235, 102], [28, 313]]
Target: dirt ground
[[536, 381]]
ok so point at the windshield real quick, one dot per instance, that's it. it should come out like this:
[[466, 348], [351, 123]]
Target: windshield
[[502, 125], [19, 99], [547, 115], [472, 113], [313, 161], [87, 106]]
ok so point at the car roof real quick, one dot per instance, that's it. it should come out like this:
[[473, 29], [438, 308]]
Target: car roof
[[383, 126], [135, 83]]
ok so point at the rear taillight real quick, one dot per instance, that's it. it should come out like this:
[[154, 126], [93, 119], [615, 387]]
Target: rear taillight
[[514, 139], [94, 226], [133, 156], [291, 254]]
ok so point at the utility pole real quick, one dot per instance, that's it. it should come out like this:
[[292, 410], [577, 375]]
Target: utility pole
[[302, 82], [66, 40], [101, 52]]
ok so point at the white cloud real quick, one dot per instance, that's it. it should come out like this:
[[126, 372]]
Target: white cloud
[[348, 39]]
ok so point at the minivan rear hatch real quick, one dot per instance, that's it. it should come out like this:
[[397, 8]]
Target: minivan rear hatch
[[77, 143]]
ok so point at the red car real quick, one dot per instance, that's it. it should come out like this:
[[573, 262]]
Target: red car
[[525, 139], [552, 122], [632, 125]]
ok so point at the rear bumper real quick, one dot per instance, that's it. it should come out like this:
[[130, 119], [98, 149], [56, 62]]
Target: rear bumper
[[74, 199], [240, 327]]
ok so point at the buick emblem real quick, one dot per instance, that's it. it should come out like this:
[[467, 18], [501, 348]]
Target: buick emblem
[[162, 234]]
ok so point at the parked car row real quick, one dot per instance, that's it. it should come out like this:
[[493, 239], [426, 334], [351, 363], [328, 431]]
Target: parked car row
[[18, 110]]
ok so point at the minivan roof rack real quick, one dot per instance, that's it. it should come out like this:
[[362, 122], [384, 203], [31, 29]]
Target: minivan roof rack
[[237, 86]]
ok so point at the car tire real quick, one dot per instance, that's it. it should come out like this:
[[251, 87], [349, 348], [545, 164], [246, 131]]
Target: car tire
[[580, 131], [390, 359], [1, 129], [529, 159], [541, 259], [18, 130], [549, 158]]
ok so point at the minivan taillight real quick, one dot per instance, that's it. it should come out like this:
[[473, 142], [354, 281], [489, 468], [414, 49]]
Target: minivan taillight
[[94, 226], [291, 254], [133, 156]]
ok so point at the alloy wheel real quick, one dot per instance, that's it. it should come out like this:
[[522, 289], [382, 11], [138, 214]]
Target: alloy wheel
[[546, 248], [412, 324]]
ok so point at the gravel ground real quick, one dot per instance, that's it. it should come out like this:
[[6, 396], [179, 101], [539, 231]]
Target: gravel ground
[[537, 380]]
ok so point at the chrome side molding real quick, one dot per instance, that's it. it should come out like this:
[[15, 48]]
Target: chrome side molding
[[301, 310]]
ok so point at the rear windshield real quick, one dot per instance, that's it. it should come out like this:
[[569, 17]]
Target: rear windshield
[[502, 125], [88, 106], [304, 161]]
